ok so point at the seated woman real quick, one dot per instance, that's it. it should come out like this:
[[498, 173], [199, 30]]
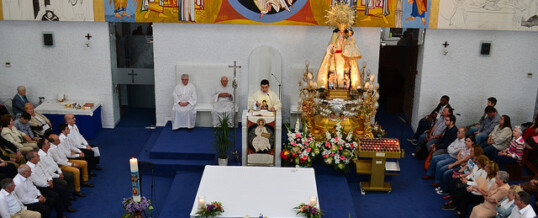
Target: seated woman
[[499, 138], [461, 158], [459, 192], [19, 139], [492, 196], [451, 178], [514, 153], [474, 193], [40, 124], [531, 131], [505, 206]]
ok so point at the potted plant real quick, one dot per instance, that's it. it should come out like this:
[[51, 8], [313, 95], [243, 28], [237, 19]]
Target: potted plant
[[222, 140]]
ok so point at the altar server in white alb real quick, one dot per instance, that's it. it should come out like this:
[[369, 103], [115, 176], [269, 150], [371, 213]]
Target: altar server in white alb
[[80, 142], [184, 109], [224, 102], [256, 100]]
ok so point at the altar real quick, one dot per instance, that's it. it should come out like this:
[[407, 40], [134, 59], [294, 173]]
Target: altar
[[261, 138], [88, 118], [252, 191]]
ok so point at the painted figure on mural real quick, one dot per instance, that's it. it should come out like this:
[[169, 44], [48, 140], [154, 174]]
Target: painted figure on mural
[[261, 141], [156, 6], [265, 6], [420, 7], [119, 7]]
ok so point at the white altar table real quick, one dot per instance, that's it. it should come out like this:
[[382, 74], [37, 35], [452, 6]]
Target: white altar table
[[88, 121], [271, 191]]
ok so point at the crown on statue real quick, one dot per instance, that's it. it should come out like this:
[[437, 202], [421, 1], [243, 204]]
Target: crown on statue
[[340, 13]]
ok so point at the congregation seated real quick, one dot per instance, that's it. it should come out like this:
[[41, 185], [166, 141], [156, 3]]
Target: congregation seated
[[40, 125], [71, 151], [8, 149], [499, 138], [10, 204], [505, 206], [23, 125], [523, 208], [91, 152], [494, 194], [531, 187], [489, 123], [449, 135], [472, 194], [47, 163], [513, 154], [18, 101], [435, 132], [428, 121], [9, 132]]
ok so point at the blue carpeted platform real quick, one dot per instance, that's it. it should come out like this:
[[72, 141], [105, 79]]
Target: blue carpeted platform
[[182, 194], [334, 196], [182, 145]]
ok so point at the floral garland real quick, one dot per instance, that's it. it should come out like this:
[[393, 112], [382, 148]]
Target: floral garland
[[308, 210], [132, 206], [339, 149], [300, 149], [211, 210]]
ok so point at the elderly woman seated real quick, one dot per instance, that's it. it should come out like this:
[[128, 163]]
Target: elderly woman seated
[[496, 193], [23, 142], [40, 124], [514, 153]]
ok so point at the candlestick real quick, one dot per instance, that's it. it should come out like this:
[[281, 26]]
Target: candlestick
[[313, 200], [135, 182], [201, 201]]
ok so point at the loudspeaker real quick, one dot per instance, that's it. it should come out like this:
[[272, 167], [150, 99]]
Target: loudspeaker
[[485, 48], [48, 39]]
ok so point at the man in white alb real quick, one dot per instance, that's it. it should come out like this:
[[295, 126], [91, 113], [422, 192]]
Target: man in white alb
[[264, 97], [224, 102], [184, 109]]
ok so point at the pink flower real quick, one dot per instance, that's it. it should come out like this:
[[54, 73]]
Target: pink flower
[[341, 148], [327, 144], [336, 138], [332, 155], [325, 155], [351, 145], [308, 149], [342, 157], [294, 144], [298, 135]]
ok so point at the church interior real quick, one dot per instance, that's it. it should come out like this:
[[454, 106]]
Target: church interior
[[130, 69]]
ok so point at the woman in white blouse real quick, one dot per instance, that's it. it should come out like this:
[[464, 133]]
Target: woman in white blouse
[[23, 142]]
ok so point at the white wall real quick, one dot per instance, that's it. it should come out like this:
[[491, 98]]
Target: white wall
[[469, 79], [222, 44], [69, 67]]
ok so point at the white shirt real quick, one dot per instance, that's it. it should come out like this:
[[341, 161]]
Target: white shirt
[[47, 163], [455, 147], [9, 204], [76, 138], [26, 190], [39, 177], [526, 212], [66, 146], [58, 156], [270, 97]]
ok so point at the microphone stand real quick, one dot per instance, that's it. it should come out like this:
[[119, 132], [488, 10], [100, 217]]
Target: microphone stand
[[279, 86]]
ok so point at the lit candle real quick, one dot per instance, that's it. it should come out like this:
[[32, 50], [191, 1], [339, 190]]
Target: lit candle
[[313, 200], [201, 201], [133, 162]]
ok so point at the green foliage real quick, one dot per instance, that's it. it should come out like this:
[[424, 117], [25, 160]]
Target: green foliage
[[222, 137]]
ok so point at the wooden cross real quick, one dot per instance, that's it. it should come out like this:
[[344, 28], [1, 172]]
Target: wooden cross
[[446, 44], [132, 74], [88, 36]]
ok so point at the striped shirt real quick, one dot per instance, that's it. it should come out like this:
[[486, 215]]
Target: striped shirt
[[516, 148]]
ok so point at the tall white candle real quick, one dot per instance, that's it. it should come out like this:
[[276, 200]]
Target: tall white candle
[[133, 163]]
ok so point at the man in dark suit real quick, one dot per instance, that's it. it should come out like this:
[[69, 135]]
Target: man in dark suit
[[427, 122], [18, 101]]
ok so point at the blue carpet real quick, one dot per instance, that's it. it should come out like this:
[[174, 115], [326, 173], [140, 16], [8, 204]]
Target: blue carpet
[[334, 196]]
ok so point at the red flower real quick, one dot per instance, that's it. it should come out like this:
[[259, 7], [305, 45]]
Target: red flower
[[342, 157], [332, 155], [327, 144], [325, 155]]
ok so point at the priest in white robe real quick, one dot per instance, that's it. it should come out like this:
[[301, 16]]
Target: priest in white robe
[[184, 109], [224, 102], [264, 99]]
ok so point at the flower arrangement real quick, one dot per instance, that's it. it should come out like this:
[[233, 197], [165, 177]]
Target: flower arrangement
[[211, 210], [300, 149], [378, 131], [339, 149], [308, 210], [131, 207]]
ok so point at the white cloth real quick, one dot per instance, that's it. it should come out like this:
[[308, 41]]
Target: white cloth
[[58, 156], [39, 177], [455, 147], [9, 204], [259, 142], [223, 105], [184, 116], [526, 212], [47, 163], [26, 190], [66, 146], [270, 97]]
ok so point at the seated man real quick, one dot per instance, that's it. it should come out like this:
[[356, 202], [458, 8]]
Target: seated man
[[255, 100], [224, 103], [72, 152], [18, 101], [10, 205], [78, 168], [523, 208], [80, 142], [436, 132], [30, 196], [23, 125], [184, 109], [450, 134], [492, 119], [425, 123], [47, 164], [492, 101], [39, 123]]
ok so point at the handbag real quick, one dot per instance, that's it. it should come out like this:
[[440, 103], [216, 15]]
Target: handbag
[[428, 160]]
